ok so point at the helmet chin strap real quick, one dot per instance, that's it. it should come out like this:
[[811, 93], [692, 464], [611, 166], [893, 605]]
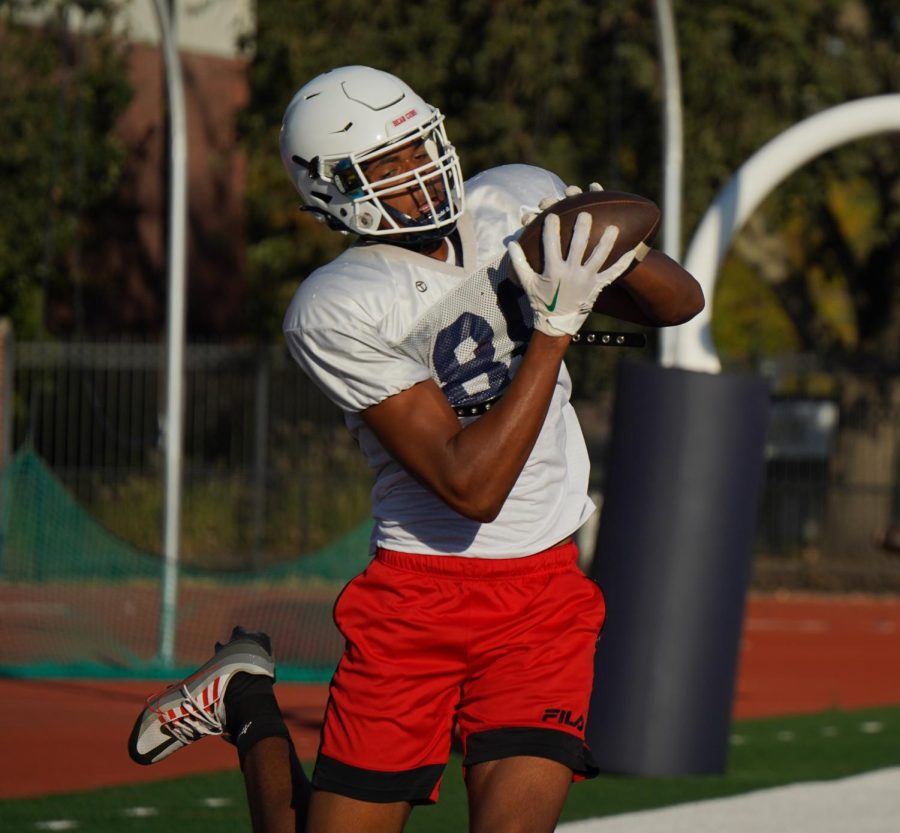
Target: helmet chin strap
[[328, 219], [421, 241], [408, 236], [407, 222]]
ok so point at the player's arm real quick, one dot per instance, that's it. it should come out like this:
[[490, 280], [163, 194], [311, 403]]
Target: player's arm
[[656, 292], [471, 468]]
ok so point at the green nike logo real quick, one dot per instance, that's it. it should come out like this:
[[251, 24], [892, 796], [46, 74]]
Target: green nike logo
[[552, 305]]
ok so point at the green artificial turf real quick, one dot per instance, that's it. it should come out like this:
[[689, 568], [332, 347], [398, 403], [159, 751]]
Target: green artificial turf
[[764, 753]]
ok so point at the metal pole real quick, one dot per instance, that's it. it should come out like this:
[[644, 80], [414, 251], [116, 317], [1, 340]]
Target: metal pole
[[7, 364], [172, 424], [260, 435], [673, 157]]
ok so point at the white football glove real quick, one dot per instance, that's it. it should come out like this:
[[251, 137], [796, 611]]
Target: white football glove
[[563, 296], [529, 214]]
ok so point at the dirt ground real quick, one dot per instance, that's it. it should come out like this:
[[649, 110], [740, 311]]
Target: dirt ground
[[799, 654]]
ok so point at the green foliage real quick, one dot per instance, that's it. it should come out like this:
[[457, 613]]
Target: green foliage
[[321, 487], [749, 321], [515, 79], [60, 164], [574, 86], [317, 490], [827, 242], [567, 84]]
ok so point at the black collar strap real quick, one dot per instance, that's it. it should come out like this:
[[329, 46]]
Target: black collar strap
[[604, 338], [476, 409]]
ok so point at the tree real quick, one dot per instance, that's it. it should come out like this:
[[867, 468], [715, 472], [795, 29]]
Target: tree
[[823, 253], [574, 86], [826, 244], [60, 94], [508, 74]]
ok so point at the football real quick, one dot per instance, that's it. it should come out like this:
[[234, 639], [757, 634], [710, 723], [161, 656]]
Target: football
[[637, 219]]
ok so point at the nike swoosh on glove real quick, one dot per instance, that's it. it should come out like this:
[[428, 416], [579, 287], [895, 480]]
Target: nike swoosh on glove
[[564, 294]]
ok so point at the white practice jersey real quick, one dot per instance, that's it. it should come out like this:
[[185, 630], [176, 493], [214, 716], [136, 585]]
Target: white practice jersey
[[379, 319]]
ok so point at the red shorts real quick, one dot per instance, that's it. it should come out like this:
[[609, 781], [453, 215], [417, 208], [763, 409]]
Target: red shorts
[[503, 649]]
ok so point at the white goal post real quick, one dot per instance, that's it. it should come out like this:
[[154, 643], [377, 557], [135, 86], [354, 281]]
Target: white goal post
[[690, 346]]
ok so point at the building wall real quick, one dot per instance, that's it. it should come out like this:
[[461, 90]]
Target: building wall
[[208, 27], [215, 92], [125, 258]]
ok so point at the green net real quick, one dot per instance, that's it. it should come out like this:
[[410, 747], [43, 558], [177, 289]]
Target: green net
[[76, 600]]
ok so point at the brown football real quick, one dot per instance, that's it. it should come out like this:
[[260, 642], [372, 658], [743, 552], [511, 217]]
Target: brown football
[[637, 219]]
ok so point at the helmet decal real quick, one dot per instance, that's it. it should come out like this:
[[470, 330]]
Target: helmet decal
[[405, 117]]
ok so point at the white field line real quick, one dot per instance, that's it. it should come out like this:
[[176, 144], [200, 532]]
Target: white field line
[[868, 803]]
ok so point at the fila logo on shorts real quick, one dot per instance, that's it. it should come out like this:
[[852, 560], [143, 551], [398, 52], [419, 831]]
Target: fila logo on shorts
[[564, 718]]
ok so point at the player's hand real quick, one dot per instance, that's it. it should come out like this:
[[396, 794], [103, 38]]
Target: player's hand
[[571, 191], [563, 295]]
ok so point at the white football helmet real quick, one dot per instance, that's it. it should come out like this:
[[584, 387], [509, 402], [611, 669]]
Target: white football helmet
[[347, 117]]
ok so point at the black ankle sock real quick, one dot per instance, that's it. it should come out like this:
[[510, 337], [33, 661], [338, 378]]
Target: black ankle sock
[[252, 713]]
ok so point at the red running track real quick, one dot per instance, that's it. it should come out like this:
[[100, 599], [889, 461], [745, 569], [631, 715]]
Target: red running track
[[799, 654]]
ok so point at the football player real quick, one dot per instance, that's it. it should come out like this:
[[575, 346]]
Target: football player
[[444, 349]]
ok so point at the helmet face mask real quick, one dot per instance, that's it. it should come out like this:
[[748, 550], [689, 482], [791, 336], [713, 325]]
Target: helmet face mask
[[379, 177], [389, 150]]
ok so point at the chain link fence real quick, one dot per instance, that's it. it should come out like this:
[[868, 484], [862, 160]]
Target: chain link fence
[[271, 473], [269, 470]]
